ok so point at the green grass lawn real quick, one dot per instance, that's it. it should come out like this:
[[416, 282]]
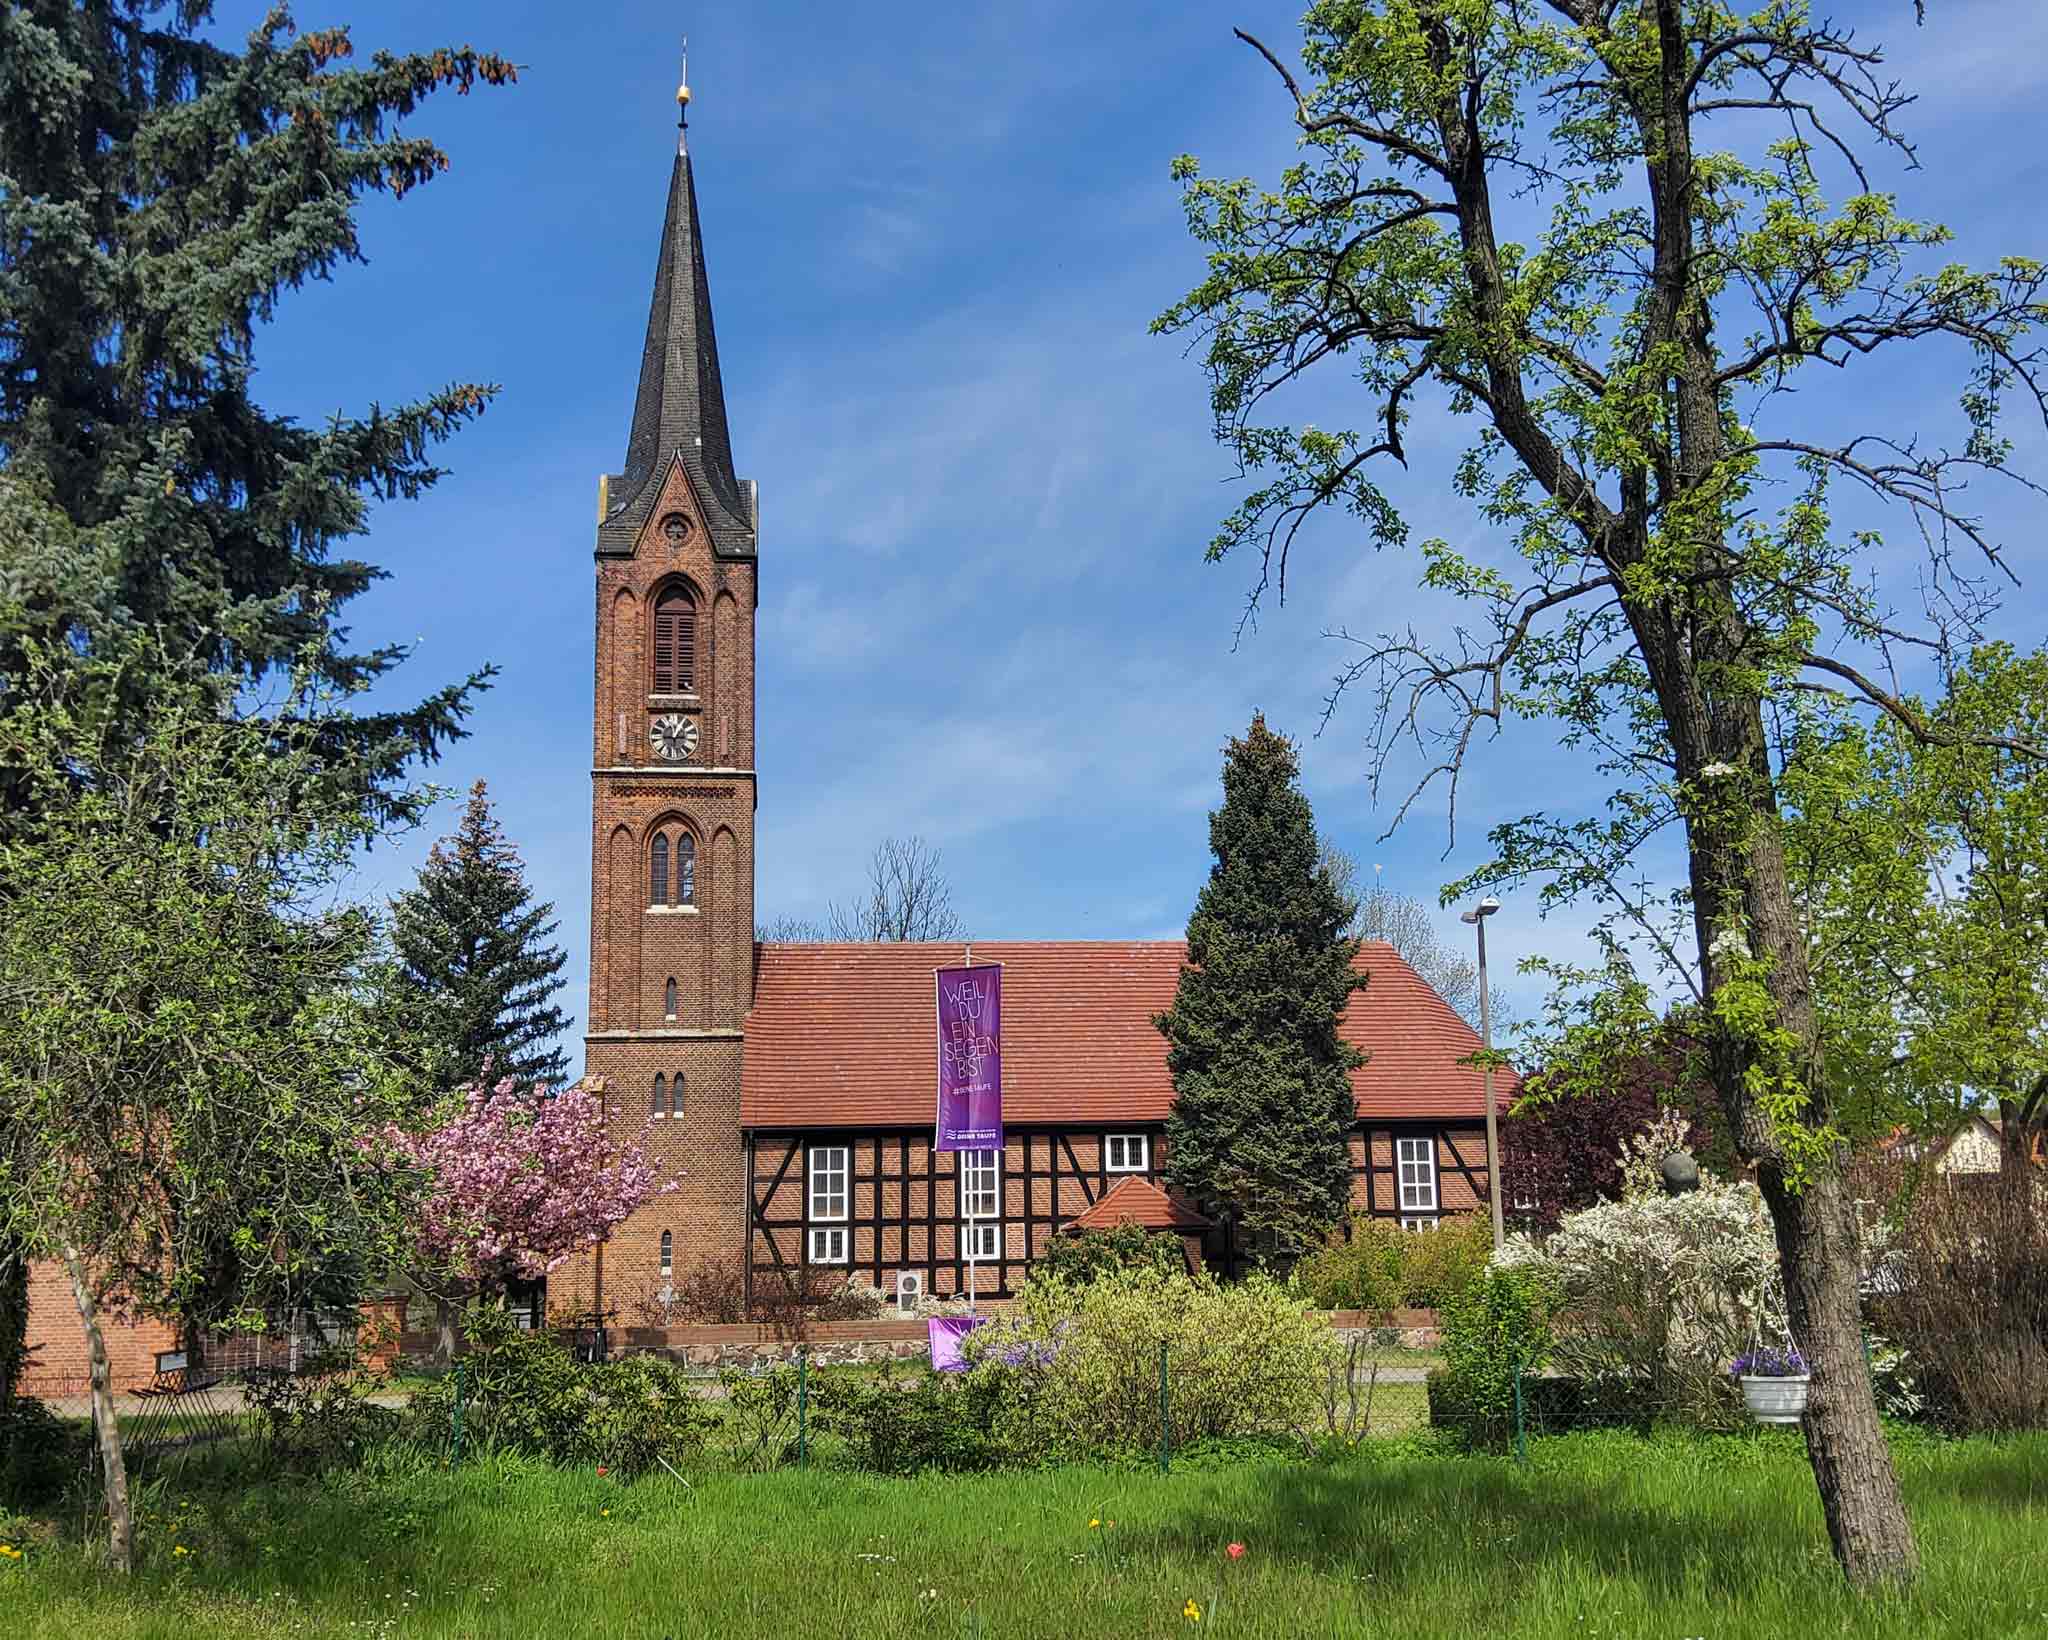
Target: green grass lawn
[[1598, 1536]]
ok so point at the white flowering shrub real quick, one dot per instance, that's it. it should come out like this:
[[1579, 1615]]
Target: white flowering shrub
[[1643, 1153], [1661, 1292]]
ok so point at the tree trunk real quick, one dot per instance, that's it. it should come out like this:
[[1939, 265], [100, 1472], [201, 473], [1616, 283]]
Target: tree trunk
[[444, 1319], [13, 1320], [106, 1423], [1859, 1489]]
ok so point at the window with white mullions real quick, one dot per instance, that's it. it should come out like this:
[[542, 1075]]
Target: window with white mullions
[[1416, 1159], [981, 1184], [828, 1183], [982, 1242], [1124, 1153], [828, 1246]]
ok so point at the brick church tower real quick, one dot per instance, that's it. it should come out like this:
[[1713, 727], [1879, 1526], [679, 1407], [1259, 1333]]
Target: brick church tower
[[672, 810]]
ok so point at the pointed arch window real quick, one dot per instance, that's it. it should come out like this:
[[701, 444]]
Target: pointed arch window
[[668, 1254], [657, 871], [675, 1095], [668, 1001], [659, 1105], [686, 870], [675, 643]]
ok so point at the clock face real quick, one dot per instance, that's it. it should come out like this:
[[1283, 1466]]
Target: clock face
[[674, 737]]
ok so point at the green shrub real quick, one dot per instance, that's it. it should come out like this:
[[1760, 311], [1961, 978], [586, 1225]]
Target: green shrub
[[1380, 1266], [1366, 1271], [940, 1423], [1495, 1329], [1550, 1406], [642, 1413], [1088, 1254], [40, 1453], [310, 1423], [524, 1392], [1443, 1262], [761, 1412], [1075, 1370]]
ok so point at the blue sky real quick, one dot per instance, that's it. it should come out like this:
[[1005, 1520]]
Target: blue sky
[[935, 240]]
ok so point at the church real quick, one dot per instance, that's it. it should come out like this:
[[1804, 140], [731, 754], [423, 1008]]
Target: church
[[792, 1086]]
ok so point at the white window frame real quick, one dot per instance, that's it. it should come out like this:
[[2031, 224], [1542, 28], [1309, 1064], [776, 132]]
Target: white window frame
[[1417, 1196], [1112, 1143], [821, 1192], [668, 1254], [982, 1240], [979, 1179], [1417, 1225], [828, 1245]]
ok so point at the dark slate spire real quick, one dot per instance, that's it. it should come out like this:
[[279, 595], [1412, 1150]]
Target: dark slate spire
[[680, 408]]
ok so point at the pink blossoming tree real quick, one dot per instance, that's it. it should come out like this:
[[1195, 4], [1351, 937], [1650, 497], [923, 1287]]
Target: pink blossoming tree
[[518, 1181]]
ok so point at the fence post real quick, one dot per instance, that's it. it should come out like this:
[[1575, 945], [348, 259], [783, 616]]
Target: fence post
[[1165, 1416], [457, 1455], [1521, 1438], [803, 1408]]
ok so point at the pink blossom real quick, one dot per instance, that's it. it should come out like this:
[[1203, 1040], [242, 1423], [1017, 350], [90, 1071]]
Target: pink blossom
[[520, 1181], [1235, 1551]]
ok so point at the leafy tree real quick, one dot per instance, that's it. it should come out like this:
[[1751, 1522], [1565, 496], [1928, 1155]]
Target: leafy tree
[[1923, 868], [475, 977], [517, 1181], [159, 192], [183, 1044], [1262, 1103], [1624, 346]]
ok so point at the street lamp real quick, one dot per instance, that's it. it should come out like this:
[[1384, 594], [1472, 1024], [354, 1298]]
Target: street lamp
[[1477, 918]]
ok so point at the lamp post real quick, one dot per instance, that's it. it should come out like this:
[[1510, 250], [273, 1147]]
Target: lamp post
[[1477, 918]]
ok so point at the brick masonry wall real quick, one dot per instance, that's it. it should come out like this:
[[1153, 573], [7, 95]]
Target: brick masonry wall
[[708, 950], [58, 1362]]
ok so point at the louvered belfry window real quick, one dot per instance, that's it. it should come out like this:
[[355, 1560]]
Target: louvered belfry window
[[675, 643]]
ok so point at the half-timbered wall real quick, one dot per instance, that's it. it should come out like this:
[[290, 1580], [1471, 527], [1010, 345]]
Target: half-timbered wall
[[903, 1210]]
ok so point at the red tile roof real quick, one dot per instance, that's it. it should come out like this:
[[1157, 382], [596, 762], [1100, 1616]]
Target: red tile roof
[[1141, 1202], [843, 1035]]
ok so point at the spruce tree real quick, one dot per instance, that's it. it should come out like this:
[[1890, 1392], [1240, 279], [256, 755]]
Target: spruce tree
[[476, 977], [1262, 1107], [159, 193]]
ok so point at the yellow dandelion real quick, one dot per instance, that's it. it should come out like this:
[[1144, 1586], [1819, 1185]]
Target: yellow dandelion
[[604, 1511], [1192, 1612], [181, 1550], [10, 1551], [1094, 1523]]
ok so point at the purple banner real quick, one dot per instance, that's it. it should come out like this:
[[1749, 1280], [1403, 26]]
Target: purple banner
[[947, 1331], [970, 1058]]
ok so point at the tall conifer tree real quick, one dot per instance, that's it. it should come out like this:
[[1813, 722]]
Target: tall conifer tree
[[159, 192], [477, 975], [1262, 1106]]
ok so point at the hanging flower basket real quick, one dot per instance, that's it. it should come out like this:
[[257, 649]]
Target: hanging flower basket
[[1774, 1384]]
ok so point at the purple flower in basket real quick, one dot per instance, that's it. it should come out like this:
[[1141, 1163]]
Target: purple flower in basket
[[1770, 1362]]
